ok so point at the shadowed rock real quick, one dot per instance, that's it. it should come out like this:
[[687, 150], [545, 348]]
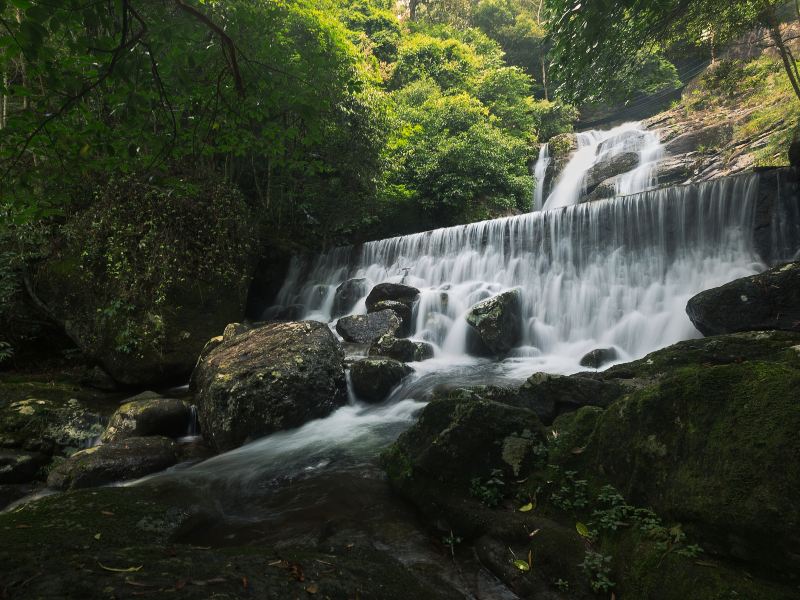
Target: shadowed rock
[[374, 378], [366, 329]]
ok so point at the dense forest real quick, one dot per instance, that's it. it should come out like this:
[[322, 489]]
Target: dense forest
[[390, 299]]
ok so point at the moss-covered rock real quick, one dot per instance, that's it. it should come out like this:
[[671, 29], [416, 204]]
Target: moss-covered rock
[[402, 349], [373, 378], [120, 542], [150, 416], [130, 458], [497, 322], [274, 377], [769, 300], [19, 466]]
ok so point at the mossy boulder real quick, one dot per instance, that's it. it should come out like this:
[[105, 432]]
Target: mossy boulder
[[67, 546], [599, 357], [401, 349], [150, 416], [273, 377], [142, 278], [366, 329], [405, 311], [497, 322], [551, 395], [130, 458], [373, 378], [562, 145], [770, 300]]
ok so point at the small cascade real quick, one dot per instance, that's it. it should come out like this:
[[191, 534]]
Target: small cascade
[[627, 154], [609, 273]]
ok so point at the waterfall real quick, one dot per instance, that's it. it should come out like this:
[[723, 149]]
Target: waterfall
[[601, 156], [609, 273]]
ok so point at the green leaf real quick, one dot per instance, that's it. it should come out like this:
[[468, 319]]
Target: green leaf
[[120, 570], [522, 565], [527, 508], [582, 530]]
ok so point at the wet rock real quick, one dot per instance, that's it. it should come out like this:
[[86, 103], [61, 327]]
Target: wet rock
[[770, 300], [152, 416], [18, 466], [347, 295], [275, 377], [401, 349], [630, 141], [366, 329], [497, 321], [97, 378], [234, 329], [551, 395], [374, 378], [599, 357], [122, 460], [676, 170], [704, 138], [396, 292], [610, 167], [10, 493], [49, 425], [404, 311], [292, 312], [603, 190]]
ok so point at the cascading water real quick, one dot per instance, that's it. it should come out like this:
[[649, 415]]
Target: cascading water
[[609, 273], [595, 149]]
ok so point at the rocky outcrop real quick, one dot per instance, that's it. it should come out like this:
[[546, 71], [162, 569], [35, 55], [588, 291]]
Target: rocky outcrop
[[770, 300], [550, 395], [347, 295], [374, 378], [598, 357], [609, 168], [497, 322], [150, 416], [122, 460], [274, 377], [710, 136], [402, 350], [366, 329], [560, 149], [403, 311]]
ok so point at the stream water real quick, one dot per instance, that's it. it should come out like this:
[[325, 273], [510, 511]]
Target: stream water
[[609, 273]]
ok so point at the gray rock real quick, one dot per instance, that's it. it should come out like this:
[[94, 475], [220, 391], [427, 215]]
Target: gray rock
[[122, 460], [770, 300], [700, 139], [396, 292], [18, 466], [347, 295], [609, 168], [274, 377], [497, 321], [374, 378], [401, 349], [366, 329], [404, 311], [599, 357], [234, 329], [154, 416]]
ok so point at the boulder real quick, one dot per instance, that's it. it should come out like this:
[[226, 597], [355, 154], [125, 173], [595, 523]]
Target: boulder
[[347, 295], [271, 378], [234, 329], [122, 460], [401, 349], [155, 416], [366, 329], [598, 357], [396, 292], [404, 312], [770, 300], [497, 321], [704, 138], [551, 395], [560, 148], [373, 378], [18, 466], [604, 189], [675, 170], [610, 167]]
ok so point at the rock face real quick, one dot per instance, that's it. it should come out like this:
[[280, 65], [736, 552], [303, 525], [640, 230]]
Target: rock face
[[770, 300], [599, 357], [551, 395], [271, 378], [366, 329], [401, 349], [347, 295], [374, 378], [154, 416], [497, 321], [611, 167], [122, 460], [403, 311]]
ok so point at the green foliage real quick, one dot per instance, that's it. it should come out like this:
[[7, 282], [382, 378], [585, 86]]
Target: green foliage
[[598, 569], [490, 490], [571, 494], [449, 62]]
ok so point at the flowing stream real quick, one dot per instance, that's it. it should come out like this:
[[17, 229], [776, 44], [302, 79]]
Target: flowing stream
[[613, 273]]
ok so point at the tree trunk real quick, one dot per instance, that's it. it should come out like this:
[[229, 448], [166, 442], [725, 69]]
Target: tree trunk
[[789, 63]]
